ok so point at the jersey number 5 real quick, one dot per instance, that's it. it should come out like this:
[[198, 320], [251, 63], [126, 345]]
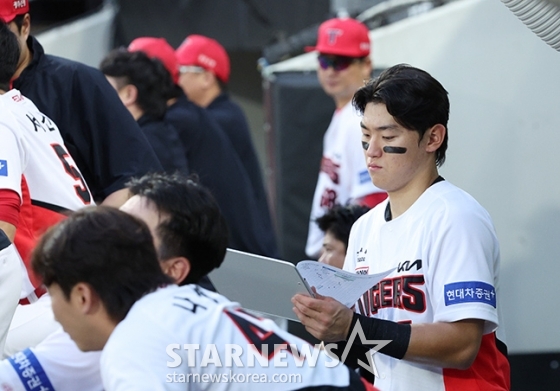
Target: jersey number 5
[[81, 189]]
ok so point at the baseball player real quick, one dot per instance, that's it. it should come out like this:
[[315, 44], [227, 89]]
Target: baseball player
[[343, 48], [156, 201], [439, 306], [106, 143], [336, 225], [39, 180]]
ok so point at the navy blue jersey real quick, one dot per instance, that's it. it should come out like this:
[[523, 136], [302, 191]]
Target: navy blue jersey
[[164, 139], [99, 132], [211, 156]]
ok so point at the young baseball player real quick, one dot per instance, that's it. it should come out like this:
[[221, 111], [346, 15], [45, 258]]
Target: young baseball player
[[39, 183], [190, 237], [104, 140], [336, 225], [154, 319], [439, 305], [344, 64]]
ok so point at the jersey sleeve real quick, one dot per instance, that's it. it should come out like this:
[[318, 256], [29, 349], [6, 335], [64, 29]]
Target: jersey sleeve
[[109, 146], [462, 268], [12, 158], [55, 364]]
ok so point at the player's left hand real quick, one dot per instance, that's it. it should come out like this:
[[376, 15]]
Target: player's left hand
[[324, 317]]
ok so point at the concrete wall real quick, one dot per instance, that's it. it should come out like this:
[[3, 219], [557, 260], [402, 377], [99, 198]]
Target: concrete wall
[[86, 40]]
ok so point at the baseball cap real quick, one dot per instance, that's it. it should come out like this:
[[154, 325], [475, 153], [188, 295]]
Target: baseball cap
[[157, 48], [204, 52], [9, 9], [342, 37]]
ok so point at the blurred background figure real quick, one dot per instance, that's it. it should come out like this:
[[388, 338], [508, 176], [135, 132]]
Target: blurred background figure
[[204, 70], [143, 84], [336, 224], [343, 66], [211, 155]]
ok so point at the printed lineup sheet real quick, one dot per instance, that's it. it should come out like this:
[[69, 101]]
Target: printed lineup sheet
[[341, 285]]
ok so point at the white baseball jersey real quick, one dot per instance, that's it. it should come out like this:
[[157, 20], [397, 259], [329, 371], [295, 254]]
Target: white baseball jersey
[[343, 176], [56, 364], [11, 271], [35, 163], [188, 338], [446, 255]]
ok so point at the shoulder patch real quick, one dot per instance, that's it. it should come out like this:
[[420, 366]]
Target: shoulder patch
[[3, 167], [470, 292]]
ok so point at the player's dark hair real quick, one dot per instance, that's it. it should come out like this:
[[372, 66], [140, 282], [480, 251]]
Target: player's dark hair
[[192, 226], [106, 248], [18, 20], [339, 220], [412, 96], [9, 56], [149, 76]]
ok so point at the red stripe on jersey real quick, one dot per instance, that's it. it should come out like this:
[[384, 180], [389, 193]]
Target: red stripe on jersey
[[372, 199], [9, 206], [34, 221], [489, 372]]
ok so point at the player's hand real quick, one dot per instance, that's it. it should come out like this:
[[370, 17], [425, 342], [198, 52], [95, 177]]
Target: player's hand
[[323, 317]]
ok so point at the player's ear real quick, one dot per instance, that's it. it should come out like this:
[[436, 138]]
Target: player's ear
[[435, 136], [26, 26], [129, 94], [84, 298], [178, 268]]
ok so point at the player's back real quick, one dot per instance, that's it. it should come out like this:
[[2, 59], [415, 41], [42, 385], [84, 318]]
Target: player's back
[[189, 338], [39, 168]]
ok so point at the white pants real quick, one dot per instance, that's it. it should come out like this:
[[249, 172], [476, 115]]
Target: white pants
[[10, 286]]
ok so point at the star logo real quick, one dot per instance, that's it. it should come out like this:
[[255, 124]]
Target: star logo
[[379, 344]]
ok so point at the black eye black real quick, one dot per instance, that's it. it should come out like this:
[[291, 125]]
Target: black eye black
[[365, 145]]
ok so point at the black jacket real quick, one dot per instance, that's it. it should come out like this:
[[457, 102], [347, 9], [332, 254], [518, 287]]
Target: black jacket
[[211, 156], [165, 141]]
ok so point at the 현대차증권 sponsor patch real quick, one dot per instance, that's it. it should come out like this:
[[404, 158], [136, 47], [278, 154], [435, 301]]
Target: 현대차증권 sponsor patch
[[469, 292]]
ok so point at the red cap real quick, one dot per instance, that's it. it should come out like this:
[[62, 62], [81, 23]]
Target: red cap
[[206, 53], [343, 37], [9, 9], [157, 48]]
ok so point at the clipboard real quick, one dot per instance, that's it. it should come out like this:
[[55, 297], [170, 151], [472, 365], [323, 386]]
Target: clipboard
[[259, 283]]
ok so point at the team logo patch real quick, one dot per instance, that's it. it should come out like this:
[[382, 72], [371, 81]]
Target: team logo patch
[[3, 168], [362, 270], [364, 177], [469, 292]]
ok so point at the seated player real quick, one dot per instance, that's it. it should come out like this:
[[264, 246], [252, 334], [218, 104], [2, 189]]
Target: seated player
[[188, 229], [39, 185], [336, 224]]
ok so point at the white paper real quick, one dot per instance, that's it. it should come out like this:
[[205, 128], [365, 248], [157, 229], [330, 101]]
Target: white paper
[[341, 285]]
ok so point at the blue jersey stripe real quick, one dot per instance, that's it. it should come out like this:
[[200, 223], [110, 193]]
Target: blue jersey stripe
[[30, 371]]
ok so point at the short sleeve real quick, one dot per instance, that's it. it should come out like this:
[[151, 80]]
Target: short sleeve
[[12, 159], [462, 266]]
